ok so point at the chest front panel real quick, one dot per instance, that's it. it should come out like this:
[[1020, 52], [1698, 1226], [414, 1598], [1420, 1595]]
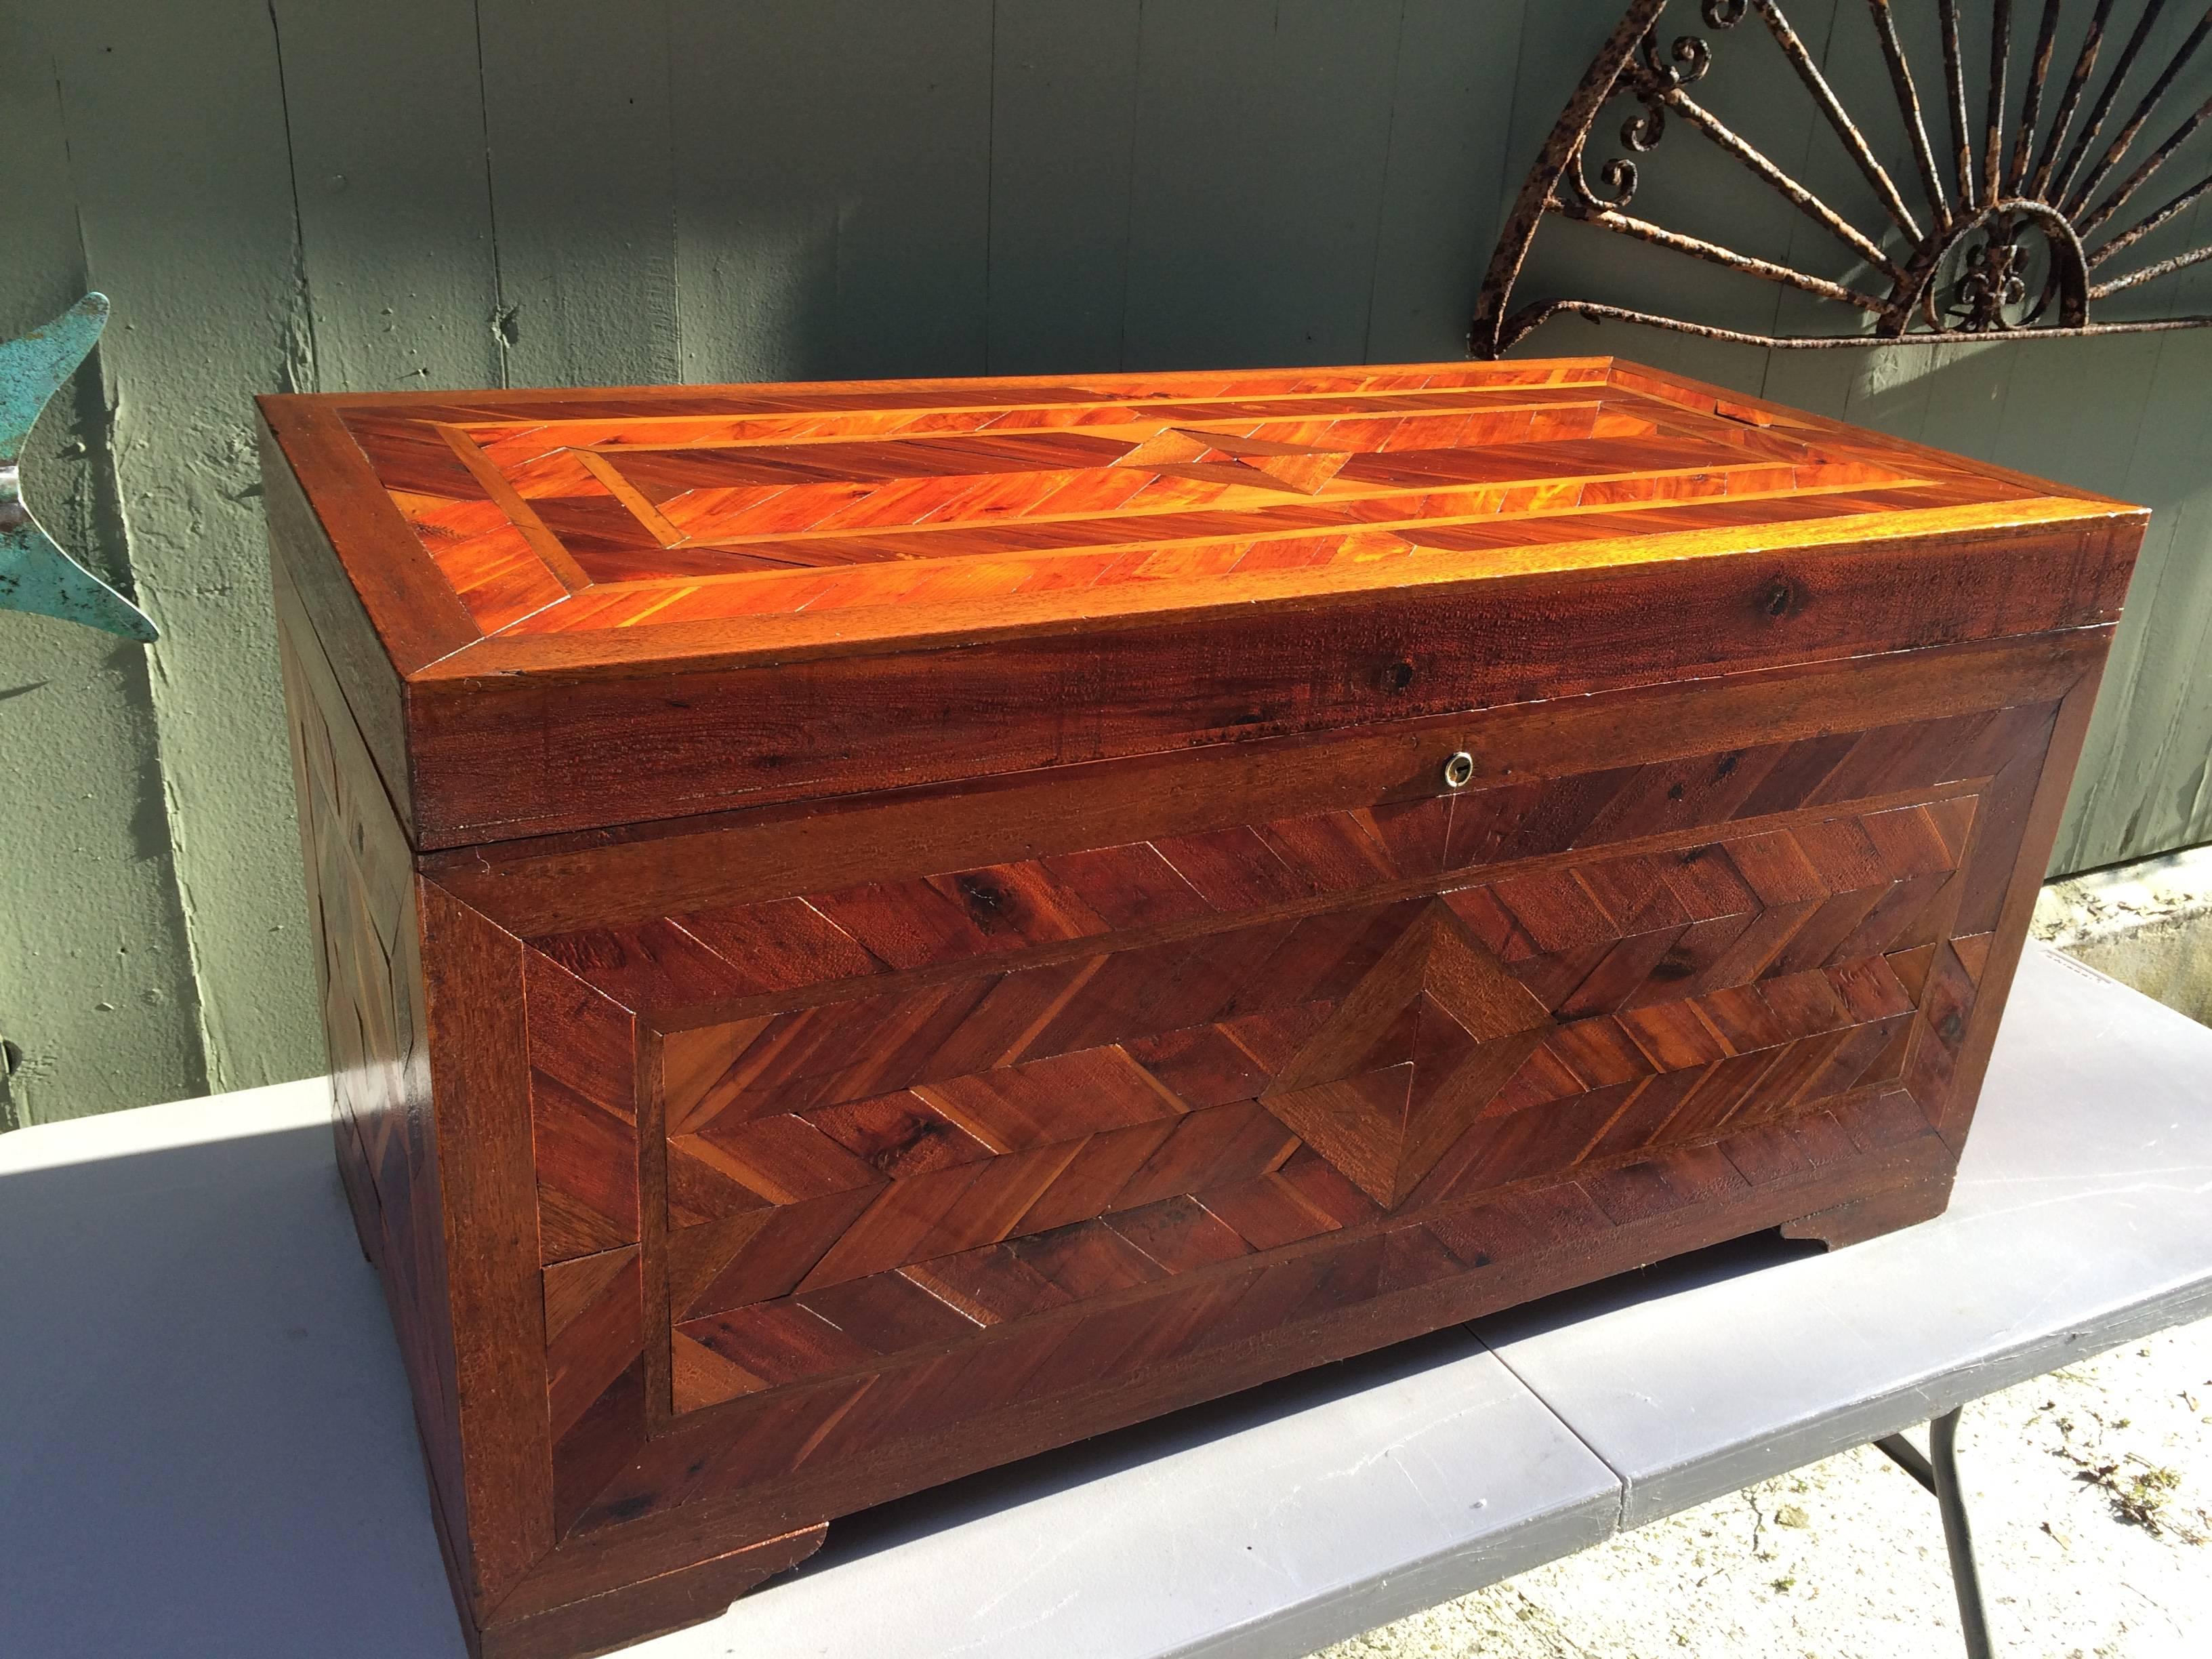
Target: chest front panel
[[932, 1137]]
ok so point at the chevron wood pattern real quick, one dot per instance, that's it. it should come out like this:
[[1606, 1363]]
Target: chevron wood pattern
[[1271, 1033], [1314, 1071], [868, 931], [583, 1115], [1101, 1308]]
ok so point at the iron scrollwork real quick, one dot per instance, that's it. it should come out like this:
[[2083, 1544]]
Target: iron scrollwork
[[1650, 77], [2007, 242]]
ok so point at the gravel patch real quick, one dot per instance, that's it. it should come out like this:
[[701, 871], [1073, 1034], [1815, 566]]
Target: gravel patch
[[2091, 1495]]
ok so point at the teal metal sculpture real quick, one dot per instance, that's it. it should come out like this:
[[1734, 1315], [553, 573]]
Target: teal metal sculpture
[[35, 574]]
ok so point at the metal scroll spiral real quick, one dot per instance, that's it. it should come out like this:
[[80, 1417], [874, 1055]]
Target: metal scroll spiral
[[1649, 77], [2006, 272], [1993, 285]]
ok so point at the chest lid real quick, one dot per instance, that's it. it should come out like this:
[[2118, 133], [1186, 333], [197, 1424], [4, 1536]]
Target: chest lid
[[559, 610]]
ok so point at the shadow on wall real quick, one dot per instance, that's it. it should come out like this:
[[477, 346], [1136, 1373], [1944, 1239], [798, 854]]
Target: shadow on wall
[[2126, 416]]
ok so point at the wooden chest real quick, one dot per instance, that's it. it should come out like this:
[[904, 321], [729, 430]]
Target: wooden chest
[[872, 930]]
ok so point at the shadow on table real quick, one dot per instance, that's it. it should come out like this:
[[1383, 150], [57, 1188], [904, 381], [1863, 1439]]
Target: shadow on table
[[994, 1490], [904, 1519], [1714, 1265], [894, 1523]]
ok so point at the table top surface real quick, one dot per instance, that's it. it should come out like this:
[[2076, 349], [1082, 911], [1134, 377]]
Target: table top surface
[[204, 1386], [544, 530]]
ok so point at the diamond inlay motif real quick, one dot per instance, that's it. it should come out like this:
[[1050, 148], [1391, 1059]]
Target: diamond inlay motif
[[1224, 458], [1386, 1085]]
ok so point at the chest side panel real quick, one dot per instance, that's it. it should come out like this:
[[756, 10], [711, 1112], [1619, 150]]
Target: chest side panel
[[361, 900], [831, 1166]]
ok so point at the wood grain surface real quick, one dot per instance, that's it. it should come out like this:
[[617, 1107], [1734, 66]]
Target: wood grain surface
[[872, 930]]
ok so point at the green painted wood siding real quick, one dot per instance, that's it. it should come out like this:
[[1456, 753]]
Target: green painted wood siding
[[315, 194]]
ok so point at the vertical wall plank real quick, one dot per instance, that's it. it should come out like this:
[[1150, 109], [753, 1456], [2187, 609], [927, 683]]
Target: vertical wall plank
[[100, 1000], [832, 187], [1557, 44], [386, 109], [1263, 131], [1063, 131], [176, 143], [1448, 180], [2074, 410], [1842, 40], [1894, 389], [2146, 785], [576, 117]]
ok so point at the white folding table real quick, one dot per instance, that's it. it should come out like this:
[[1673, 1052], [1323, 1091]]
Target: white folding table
[[205, 1445]]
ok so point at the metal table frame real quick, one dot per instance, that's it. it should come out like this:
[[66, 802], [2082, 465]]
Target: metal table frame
[[1937, 1469]]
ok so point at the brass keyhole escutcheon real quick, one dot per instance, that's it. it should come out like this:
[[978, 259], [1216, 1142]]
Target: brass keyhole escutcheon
[[1458, 770]]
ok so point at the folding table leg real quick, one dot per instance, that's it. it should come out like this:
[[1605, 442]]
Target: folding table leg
[[1939, 1473]]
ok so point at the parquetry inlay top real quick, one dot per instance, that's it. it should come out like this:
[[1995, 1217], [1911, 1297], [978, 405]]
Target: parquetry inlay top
[[558, 514]]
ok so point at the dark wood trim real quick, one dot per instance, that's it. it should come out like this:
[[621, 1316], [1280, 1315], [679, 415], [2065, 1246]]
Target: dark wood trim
[[652, 1204], [480, 1075], [2054, 779], [412, 608], [604, 878], [652, 1607], [596, 1562], [1921, 1195], [605, 752], [307, 573]]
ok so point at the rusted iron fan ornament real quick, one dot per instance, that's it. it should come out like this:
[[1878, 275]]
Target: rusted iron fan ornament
[[2014, 238]]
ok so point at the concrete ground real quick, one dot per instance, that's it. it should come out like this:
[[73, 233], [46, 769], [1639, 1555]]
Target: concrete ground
[[2091, 1495], [2147, 924]]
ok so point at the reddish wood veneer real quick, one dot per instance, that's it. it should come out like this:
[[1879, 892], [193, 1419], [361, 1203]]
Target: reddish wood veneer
[[872, 930]]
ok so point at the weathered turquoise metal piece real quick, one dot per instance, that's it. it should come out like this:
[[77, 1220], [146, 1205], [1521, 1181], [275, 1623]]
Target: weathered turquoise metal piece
[[35, 574]]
